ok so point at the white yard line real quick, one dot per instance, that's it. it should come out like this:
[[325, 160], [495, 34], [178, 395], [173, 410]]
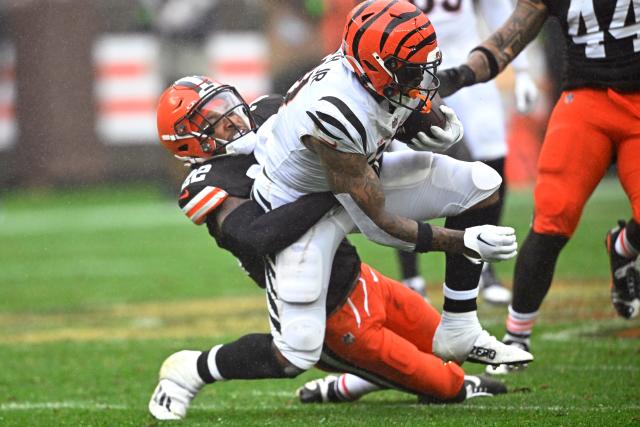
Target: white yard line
[[81, 405], [93, 406]]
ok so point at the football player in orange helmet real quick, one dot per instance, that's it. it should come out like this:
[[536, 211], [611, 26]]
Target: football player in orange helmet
[[332, 133], [214, 193], [199, 118], [392, 47]]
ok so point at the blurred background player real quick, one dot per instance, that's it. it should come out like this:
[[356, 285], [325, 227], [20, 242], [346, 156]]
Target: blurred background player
[[480, 110], [595, 121]]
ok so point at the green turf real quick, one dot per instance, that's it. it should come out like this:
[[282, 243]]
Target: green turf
[[97, 287]]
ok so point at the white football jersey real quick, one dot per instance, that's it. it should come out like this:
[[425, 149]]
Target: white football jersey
[[456, 28], [330, 104]]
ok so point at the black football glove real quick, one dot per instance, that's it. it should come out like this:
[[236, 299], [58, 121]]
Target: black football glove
[[454, 79]]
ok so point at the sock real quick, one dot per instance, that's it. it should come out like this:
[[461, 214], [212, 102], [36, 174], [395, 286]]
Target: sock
[[250, 357], [520, 326], [460, 301], [628, 240], [351, 387], [534, 270], [408, 264], [461, 275], [494, 212]]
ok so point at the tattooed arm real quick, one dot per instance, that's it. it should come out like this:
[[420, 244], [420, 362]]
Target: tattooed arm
[[494, 54], [350, 173]]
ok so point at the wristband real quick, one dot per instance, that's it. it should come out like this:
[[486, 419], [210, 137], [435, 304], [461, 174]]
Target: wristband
[[493, 62], [424, 242], [466, 75]]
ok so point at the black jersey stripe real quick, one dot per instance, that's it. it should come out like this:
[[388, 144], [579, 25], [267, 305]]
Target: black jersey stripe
[[363, 29], [264, 203], [275, 322], [422, 44], [320, 126], [272, 302], [335, 123], [394, 23], [350, 116], [409, 35]]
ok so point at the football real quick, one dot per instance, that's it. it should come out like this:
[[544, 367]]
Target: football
[[422, 122]]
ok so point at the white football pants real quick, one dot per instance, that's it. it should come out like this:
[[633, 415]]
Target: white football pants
[[417, 185]]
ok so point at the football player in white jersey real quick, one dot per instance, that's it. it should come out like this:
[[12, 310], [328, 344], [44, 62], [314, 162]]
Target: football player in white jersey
[[480, 108], [330, 135]]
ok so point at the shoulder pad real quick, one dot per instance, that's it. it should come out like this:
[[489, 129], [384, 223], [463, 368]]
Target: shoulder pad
[[198, 205], [200, 195]]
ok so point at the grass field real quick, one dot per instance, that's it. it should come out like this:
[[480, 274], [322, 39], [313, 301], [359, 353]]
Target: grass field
[[98, 287]]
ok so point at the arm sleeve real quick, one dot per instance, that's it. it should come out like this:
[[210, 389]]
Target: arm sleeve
[[249, 228], [495, 13]]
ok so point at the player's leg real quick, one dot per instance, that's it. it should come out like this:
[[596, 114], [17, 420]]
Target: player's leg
[[484, 126], [424, 186], [297, 286], [185, 373], [298, 278], [358, 340], [623, 242], [575, 156], [384, 334], [409, 270]]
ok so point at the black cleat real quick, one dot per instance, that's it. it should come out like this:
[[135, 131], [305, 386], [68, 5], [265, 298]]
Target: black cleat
[[625, 277]]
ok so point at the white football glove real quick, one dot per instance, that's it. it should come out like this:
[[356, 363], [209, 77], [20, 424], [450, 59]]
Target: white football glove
[[491, 243], [443, 138], [526, 92]]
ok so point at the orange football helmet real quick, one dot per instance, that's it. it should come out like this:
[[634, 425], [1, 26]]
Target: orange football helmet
[[198, 117], [392, 47]]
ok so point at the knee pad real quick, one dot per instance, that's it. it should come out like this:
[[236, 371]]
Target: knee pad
[[484, 177], [303, 333], [299, 273], [300, 342]]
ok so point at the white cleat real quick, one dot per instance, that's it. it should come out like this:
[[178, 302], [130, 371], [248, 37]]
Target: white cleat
[[496, 294], [504, 369], [179, 383], [490, 351], [459, 337], [492, 290]]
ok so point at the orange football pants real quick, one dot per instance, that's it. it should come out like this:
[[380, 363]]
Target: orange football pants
[[587, 128], [386, 330]]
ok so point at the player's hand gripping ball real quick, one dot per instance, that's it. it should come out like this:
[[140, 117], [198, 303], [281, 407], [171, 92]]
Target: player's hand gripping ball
[[435, 130]]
